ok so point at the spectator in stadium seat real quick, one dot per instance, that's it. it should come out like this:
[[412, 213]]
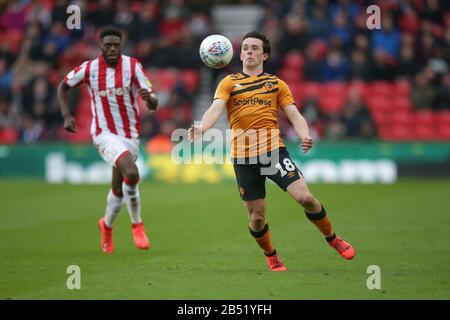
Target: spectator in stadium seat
[[126, 20], [59, 36], [361, 43], [426, 44], [443, 93], [295, 34], [149, 126], [335, 67], [407, 64], [8, 116], [423, 94], [311, 68], [386, 38], [335, 129], [437, 62], [320, 26], [356, 118], [359, 66], [5, 76], [346, 6], [341, 28], [433, 11], [59, 11], [14, 17], [382, 69], [103, 15], [446, 44], [148, 21], [38, 13], [30, 129]]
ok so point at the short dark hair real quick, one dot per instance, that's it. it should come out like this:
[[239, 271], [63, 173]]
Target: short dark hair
[[110, 31], [261, 36]]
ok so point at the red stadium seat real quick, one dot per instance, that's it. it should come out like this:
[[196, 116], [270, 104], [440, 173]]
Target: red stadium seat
[[8, 136], [338, 89], [425, 132], [332, 96], [402, 88], [297, 92], [385, 132], [424, 118], [381, 118], [362, 87], [190, 79], [379, 103], [14, 38], [329, 103], [163, 79], [381, 88], [443, 118], [401, 103], [293, 60], [311, 89], [290, 75], [401, 133], [443, 132], [400, 118]]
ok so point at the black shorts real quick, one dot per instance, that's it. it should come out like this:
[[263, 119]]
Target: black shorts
[[251, 178]]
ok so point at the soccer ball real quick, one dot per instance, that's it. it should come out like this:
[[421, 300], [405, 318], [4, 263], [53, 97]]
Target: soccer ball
[[216, 51]]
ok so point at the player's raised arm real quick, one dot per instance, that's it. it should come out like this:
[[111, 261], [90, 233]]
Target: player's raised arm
[[300, 126], [209, 119], [63, 102]]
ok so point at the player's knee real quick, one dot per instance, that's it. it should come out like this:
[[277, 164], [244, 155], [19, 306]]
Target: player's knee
[[257, 219], [131, 175], [306, 200], [117, 190]]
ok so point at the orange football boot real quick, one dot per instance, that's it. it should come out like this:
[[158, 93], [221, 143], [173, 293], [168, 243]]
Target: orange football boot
[[106, 243], [345, 249], [275, 263], [139, 236]]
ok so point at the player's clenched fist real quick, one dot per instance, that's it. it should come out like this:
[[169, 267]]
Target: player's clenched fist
[[70, 124], [307, 144], [149, 97], [194, 132], [145, 94]]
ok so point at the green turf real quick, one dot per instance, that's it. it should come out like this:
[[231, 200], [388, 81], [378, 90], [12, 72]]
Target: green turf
[[201, 248]]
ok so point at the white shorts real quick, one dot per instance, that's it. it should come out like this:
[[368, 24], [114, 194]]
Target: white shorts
[[111, 147]]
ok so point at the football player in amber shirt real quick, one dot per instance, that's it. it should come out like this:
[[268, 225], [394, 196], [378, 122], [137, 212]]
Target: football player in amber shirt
[[252, 99]]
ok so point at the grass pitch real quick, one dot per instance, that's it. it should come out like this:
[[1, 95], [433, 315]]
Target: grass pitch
[[201, 247]]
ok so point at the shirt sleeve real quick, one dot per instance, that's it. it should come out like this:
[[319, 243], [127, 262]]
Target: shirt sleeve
[[223, 89], [285, 97], [76, 76], [141, 79]]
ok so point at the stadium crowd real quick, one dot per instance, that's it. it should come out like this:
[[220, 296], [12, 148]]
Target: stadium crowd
[[316, 46]]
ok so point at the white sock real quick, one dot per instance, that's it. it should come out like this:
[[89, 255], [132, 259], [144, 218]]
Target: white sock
[[133, 200], [113, 206]]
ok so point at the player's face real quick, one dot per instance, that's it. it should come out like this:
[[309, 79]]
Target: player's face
[[252, 54], [111, 50]]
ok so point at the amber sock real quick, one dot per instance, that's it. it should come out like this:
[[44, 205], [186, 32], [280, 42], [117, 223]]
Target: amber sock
[[321, 221], [263, 239]]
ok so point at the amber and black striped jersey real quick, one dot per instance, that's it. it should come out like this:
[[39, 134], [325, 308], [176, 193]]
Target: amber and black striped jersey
[[252, 106]]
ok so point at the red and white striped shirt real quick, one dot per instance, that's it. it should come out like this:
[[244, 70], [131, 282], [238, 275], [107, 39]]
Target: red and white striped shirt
[[113, 92]]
